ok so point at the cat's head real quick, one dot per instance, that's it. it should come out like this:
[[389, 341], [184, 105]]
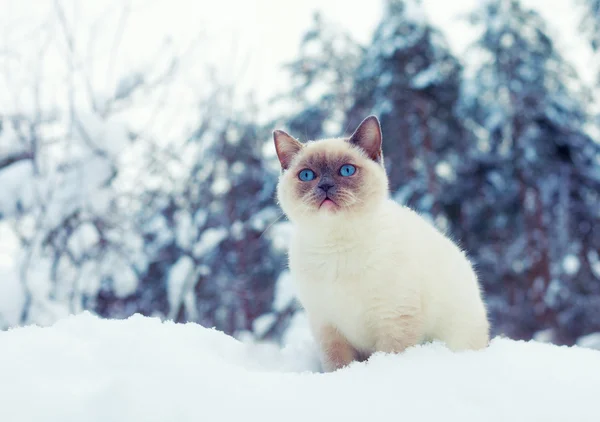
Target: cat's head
[[332, 177]]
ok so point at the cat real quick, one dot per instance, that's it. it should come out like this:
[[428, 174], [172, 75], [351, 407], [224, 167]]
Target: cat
[[371, 274]]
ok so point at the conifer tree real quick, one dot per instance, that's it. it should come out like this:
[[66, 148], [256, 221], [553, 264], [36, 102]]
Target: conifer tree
[[534, 175], [321, 81], [409, 79], [590, 22]]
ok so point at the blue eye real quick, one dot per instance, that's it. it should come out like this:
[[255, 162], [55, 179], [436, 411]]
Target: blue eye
[[306, 175], [347, 170]]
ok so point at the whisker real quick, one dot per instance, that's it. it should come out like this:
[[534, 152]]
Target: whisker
[[271, 225], [303, 207]]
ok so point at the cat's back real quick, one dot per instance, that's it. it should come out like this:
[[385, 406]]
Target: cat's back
[[432, 260], [413, 236]]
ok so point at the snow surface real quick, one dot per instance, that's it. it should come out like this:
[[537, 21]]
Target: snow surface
[[87, 369], [590, 341]]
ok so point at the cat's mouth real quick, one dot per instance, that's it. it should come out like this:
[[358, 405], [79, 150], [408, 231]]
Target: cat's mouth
[[328, 204]]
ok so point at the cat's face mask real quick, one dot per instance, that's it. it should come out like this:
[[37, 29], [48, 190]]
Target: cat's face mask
[[331, 176]]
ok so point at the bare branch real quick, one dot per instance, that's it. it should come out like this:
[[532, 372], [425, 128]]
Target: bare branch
[[73, 58], [117, 40], [14, 158]]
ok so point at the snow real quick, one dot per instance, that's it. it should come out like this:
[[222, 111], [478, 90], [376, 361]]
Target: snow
[[210, 239], [427, 77], [18, 192], [178, 276], [221, 186], [84, 237], [11, 294], [280, 235], [262, 324], [590, 341], [142, 369], [413, 11], [594, 262], [125, 281], [261, 219], [284, 291], [571, 264], [185, 230], [444, 170]]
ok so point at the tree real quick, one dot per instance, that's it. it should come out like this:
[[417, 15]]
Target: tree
[[533, 173], [94, 189], [409, 78], [59, 169], [210, 257], [237, 263], [590, 26], [321, 81], [590, 22]]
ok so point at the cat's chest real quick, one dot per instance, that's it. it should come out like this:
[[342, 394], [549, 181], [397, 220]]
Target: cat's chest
[[333, 265], [336, 277], [337, 287]]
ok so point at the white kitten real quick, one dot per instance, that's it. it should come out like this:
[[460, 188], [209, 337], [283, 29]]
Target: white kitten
[[372, 275]]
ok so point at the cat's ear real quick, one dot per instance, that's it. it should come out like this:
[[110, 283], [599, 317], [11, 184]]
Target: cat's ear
[[286, 146], [368, 137]]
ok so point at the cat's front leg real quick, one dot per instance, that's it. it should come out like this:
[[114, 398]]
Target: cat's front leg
[[396, 333], [336, 350]]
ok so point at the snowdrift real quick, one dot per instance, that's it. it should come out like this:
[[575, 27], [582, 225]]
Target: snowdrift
[[141, 369]]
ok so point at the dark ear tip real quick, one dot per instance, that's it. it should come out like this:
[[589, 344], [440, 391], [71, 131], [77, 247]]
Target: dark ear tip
[[372, 118], [278, 133]]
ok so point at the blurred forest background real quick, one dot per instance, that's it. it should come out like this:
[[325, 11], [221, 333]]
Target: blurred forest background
[[146, 185]]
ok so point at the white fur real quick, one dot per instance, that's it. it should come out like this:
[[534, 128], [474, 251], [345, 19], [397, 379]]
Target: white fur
[[381, 279]]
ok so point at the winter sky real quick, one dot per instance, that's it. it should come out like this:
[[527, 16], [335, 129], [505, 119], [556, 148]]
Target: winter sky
[[248, 40], [270, 30], [265, 33]]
